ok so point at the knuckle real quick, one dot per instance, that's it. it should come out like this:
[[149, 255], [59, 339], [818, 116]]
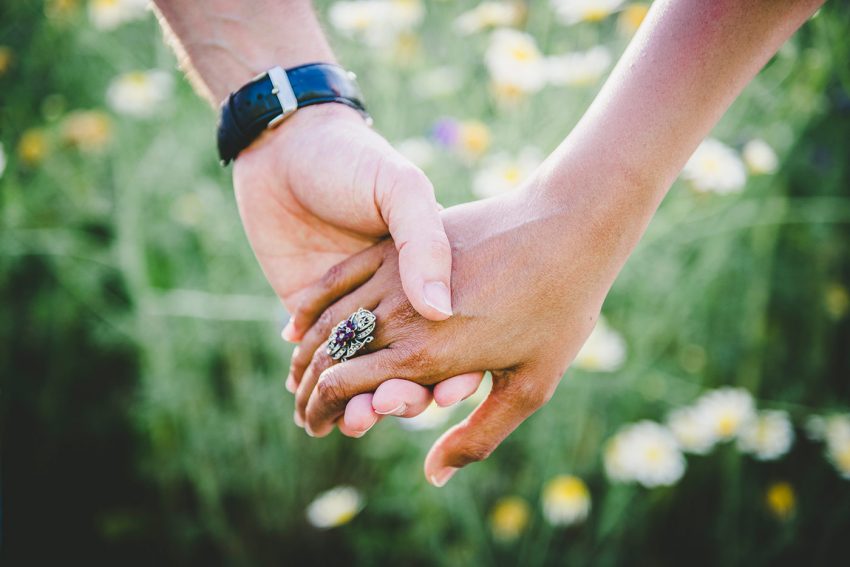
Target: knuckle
[[439, 244], [473, 452], [297, 364], [301, 357], [534, 398], [433, 244], [414, 178], [419, 361], [320, 361], [402, 312], [331, 278], [408, 180], [540, 397], [330, 391], [302, 396], [301, 313], [532, 395], [326, 321]]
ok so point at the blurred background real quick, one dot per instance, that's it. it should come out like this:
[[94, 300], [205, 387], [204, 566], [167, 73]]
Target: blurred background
[[707, 420]]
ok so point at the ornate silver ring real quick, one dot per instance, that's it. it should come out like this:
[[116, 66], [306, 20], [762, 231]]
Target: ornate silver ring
[[351, 334]]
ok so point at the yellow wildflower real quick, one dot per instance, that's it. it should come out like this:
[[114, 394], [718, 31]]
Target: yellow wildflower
[[88, 130], [631, 18], [781, 500], [566, 500], [5, 59], [60, 9], [509, 518], [33, 146], [473, 138], [837, 300]]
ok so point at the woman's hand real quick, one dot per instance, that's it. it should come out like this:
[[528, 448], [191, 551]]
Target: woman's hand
[[530, 275]]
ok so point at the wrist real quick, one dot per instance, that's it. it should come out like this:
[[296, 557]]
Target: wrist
[[308, 119], [608, 203], [224, 45]]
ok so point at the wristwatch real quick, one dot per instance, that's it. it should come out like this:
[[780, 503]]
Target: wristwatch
[[271, 97]]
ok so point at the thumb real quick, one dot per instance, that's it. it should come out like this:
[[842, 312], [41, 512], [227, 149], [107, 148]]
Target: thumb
[[514, 397], [406, 200]]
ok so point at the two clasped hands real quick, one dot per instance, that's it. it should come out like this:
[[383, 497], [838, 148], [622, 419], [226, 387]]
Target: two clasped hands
[[512, 285], [443, 287]]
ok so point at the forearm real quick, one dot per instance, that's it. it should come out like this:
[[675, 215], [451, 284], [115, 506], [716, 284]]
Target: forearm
[[222, 44], [681, 72]]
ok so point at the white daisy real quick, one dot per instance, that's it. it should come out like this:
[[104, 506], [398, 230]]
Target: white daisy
[[768, 436], [566, 500], [489, 15], [760, 157], [377, 22], [839, 456], [357, 17], [574, 11], [715, 167], [821, 428], [726, 410], [139, 93], [644, 452], [515, 62], [604, 350], [692, 429], [579, 68], [406, 14], [109, 14], [502, 172], [335, 507], [815, 427], [835, 432]]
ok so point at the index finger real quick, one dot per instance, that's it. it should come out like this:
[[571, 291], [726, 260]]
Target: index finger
[[512, 400]]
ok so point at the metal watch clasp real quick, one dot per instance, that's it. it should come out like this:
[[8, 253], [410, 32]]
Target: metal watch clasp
[[282, 88]]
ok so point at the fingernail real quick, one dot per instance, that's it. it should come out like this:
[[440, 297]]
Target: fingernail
[[455, 402], [297, 419], [290, 384], [359, 434], [288, 333], [438, 296], [398, 410], [441, 477]]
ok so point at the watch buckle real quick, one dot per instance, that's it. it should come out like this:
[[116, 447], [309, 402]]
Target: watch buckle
[[282, 88]]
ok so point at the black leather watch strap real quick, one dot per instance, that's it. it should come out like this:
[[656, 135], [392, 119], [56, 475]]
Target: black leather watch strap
[[260, 104]]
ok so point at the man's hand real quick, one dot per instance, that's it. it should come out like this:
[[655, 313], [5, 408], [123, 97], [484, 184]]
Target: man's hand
[[321, 186], [324, 186]]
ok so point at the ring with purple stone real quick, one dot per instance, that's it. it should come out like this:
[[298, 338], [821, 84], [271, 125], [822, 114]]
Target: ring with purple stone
[[351, 334]]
